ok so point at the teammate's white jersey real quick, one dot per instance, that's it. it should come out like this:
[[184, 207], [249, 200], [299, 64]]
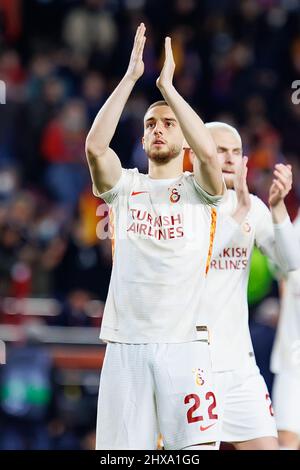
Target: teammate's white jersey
[[286, 349], [163, 231], [225, 295]]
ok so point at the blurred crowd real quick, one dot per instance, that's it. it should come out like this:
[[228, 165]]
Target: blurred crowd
[[236, 61]]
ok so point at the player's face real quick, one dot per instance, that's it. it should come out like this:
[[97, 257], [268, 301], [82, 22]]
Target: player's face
[[163, 138], [229, 149]]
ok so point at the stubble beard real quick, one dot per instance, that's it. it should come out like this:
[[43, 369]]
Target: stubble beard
[[163, 156], [229, 180]]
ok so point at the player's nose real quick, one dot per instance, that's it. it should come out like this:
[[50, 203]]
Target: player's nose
[[157, 130], [229, 158]]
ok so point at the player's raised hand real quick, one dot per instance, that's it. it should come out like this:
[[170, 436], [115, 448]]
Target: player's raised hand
[[240, 183], [242, 192], [281, 185], [166, 75], [136, 65]]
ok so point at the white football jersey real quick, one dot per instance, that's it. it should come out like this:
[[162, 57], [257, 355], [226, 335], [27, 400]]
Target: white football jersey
[[286, 349], [163, 234], [225, 295]]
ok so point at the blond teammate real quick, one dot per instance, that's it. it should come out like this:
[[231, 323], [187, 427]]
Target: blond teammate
[[285, 363], [156, 372], [245, 406]]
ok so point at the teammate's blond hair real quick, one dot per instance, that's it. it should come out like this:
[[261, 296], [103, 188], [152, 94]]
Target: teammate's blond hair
[[223, 125]]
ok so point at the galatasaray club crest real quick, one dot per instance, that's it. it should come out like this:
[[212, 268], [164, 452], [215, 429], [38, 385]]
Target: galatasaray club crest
[[199, 377], [246, 227], [174, 196]]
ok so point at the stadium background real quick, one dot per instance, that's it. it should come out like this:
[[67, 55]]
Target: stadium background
[[60, 59]]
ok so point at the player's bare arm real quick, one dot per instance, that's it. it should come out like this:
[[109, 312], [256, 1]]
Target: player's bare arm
[[242, 192], [207, 168], [281, 186], [104, 164]]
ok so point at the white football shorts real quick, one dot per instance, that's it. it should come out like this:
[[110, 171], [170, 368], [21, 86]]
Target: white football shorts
[[244, 403], [150, 388]]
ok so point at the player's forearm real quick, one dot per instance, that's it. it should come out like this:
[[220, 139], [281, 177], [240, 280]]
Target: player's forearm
[[192, 126], [106, 121], [279, 212]]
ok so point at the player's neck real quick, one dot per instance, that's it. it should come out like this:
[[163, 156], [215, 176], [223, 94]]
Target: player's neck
[[172, 169], [229, 185]]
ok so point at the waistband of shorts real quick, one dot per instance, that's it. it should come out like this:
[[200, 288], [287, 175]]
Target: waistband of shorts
[[203, 333]]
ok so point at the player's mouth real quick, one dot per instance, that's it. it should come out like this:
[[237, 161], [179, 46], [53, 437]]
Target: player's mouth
[[158, 142], [228, 172]]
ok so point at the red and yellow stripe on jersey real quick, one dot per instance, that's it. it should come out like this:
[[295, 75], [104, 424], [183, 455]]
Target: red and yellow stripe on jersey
[[213, 225]]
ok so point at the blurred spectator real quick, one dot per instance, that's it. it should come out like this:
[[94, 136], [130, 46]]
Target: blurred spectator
[[8, 183], [75, 309], [13, 74], [89, 28], [94, 94], [63, 148], [10, 11], [11, 243], [84, 266]]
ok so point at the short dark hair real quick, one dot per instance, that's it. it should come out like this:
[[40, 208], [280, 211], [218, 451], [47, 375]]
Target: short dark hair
[[155, 104]]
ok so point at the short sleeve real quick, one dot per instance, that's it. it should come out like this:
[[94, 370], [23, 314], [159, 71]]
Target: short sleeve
[[122, 187]]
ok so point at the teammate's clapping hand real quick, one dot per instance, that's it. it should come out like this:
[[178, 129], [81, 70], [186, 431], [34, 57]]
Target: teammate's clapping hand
[[136, 65], [166, 76], [242, 192], [282, 184], [240, 184]]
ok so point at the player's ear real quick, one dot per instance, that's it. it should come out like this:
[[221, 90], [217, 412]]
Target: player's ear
[[143, 140]]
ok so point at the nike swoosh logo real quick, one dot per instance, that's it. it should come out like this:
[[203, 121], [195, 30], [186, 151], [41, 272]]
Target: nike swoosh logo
[[135, 193], [204, 428]]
